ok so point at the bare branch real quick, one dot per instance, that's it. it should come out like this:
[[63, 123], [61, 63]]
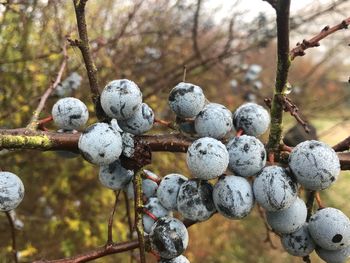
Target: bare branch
[[195, 30], [84, 46], [97, 253], [300, 48], [13, 236], [33, 125]]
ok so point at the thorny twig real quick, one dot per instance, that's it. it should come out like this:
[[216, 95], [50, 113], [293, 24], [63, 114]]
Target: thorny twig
[[33, 124], [292, 108], [299, 50]]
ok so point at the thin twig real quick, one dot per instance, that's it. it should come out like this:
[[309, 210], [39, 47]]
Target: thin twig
[[267, 227], [33, 124], [84, 46], [96, 253], [195, 30], [13, 236], [110, 220], [299, 50]]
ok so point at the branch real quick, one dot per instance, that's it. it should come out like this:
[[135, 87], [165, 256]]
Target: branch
[[83, 45], [195, 30], [13, 236], [137, 181], [53, 141], [343, 145], [300, 48], [283, 63], [96, 253], [33, 125]]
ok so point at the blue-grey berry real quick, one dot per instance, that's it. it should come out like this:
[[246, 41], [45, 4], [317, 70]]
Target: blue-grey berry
[[233, 196], [100, 144], [115, 176], [195, 200], [155, 208], [315, 164], [247, 155], [168, 237], [11, 191], [70, 113], [207, 158], [215, 121], [298, 243], [179, 259], [252, 118], [186, 100], [121, 98], [330, 229], [140, 122], [168, 190], [274, 189], [149, 189], [288, 220], [334, 256]]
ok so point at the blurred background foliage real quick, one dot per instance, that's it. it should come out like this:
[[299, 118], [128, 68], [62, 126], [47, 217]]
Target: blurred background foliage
[[65, 209]]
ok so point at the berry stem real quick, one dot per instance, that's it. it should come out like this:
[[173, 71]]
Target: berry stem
[[147, 212], [319, 201], [239, 132], [110, 220]]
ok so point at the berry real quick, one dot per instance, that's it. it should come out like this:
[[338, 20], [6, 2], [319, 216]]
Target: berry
[[179, 259], [115, 176], [100, 144], [168, 190], [121, 98], [315, 165], [168, 237], [215, 121], [298, 243], [247, 155], [195, 200], [149, 189], [334, 256], [11, 191], [233, 196], [252, 118], [70, 113], [330, 229], [140, 122], [155, 208], [288, 220], [186, 100], [274, 189], [207, 158]]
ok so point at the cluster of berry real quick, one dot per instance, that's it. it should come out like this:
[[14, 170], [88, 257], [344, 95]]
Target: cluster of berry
[[312, 165]]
